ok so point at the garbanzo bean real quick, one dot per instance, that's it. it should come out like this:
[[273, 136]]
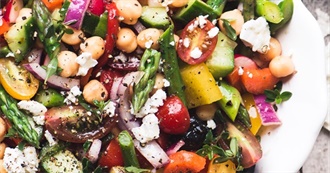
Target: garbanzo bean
[[2, 149], [148, 38], [281, 66], [206, 112], [3, 129], [2, 168], [275, 49], [179, 3], [67, 62], [129, 11], [94, 45], [74, 38], [235, 19], [126, 40], [94, 90]]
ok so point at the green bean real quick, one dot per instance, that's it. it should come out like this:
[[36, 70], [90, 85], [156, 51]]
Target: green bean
[[127, 147]]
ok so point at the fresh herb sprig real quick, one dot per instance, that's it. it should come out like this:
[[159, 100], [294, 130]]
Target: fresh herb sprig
[[276, 96], [210, 149]]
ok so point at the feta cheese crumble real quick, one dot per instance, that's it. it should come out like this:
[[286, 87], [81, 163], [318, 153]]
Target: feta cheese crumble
[[152, 104], [211, 124], [34, 107], [196, 53], [256, 34], [72, 94], [50, 138], [213, 32], [186, 42], [149, 129], [85, 62], [109, 109], [25, 161]]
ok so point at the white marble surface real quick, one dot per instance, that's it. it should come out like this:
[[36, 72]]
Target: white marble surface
[[319, 159]]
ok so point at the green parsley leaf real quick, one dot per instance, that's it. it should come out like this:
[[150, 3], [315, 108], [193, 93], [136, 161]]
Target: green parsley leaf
[[276, 96]]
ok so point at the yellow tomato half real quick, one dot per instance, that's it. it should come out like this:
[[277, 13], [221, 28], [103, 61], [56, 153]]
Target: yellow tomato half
[[225, 167], [16, 80], [250, 105]]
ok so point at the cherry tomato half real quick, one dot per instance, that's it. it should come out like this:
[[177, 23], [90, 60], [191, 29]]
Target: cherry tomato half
[[112, 156], [196, 45], [17, 81], [173, 116], [107, 78]]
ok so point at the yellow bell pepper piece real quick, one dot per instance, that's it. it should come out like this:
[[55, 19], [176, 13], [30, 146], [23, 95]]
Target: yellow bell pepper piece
[[250, 105], [200, 85], [225, 167]]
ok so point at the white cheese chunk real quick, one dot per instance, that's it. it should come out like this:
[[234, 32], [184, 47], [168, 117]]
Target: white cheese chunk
[[110, 109], [152, 104], [25, 161], [211, 124], [50, 138], [72, 94], [34, 107], [149, 129], [256, 34], [213, 32], [85, 62], [196, 53]]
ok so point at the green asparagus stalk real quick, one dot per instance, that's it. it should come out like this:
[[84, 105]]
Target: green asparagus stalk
[[127, 147], [17, 118], [170, 64], [47, 34], [248, 9], [243, 116], [149, 65], [217, 5]]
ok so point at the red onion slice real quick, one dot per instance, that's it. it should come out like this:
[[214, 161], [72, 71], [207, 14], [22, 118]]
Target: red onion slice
[[54, 81], [114, 89], [267, 113], [76, 12], [153, 153], [94, 150], [35, 56], [174, 148]]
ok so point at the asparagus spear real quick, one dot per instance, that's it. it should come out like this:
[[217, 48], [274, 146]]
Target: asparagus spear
[[127, 147], [149, 65], [243, 116], [248, 9], [170, 64], [47, 34], [17, 118]]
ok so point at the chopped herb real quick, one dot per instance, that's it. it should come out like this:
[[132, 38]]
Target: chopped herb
[[276, 95]]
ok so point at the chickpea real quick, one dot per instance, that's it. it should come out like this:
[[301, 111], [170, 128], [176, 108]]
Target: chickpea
[[235, 19], [94, 90], [3, 129], [2, 149], [206, 112], [23, 14], [2, 168], [129, 11], [94, 45], [74, 38], [148, 38], [281, 66], [179, 3], [126, 40], [275, 49], [67, 62]]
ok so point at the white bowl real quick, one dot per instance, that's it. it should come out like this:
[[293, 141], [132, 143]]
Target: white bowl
[[286, 148]]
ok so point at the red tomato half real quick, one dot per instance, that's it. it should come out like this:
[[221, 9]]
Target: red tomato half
[[173, 116], [112, 156], [196, 44], [108, 76]]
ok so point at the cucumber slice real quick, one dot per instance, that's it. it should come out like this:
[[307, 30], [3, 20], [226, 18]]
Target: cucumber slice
[[193, 9], [20, 38], [269, 10], [221, 62], [49, 98], [155, 17], [63, 161], [89, 23]]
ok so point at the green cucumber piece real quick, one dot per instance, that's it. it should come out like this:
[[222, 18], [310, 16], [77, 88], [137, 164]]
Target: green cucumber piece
[[63, 161], [193, 9], [269, 10], [49, 97], [155, 17], [101, 28], [221, 62], [20, 38]]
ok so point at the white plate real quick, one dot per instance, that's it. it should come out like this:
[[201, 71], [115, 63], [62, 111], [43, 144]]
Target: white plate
[[286, 147]]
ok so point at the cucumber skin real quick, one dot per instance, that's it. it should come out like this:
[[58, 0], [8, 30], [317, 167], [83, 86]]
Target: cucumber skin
[[155, 17], [20, 38], [221, 62]]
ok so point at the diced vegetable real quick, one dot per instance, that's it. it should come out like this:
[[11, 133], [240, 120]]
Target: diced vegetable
[[185, 161], [286, 7], [265, 109], [76, 12], [269, 10], [63, 161], [225, 167], [200, 86], [155, 17], [250, 105], [230, 101]]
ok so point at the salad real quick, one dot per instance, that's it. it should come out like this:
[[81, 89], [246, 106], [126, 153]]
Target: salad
[[139, 86]]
